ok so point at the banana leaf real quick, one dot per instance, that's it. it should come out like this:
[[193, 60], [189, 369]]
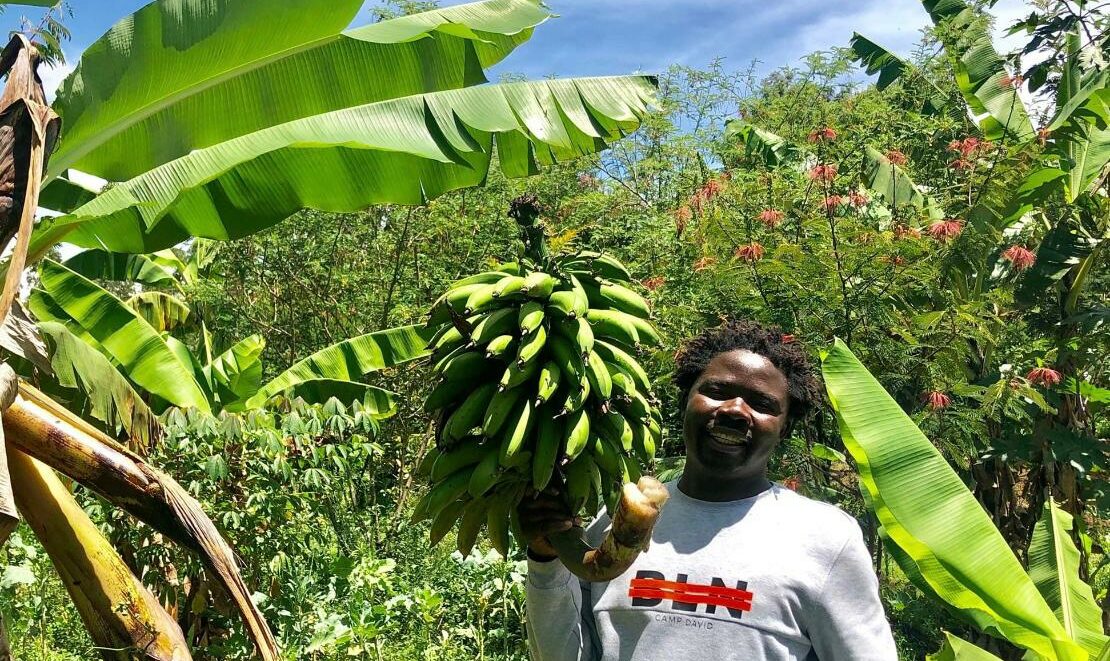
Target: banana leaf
[[141, 353], [1062, 249], [378, 402], [929, 514], [771, 149], [108, 396], [211, 72], [236, 374], [894, 186], [980, 72], [890, 68], [350, 360], [958, 649], [64, 195], [103, 265], [164, 312], [1054, 567], [403, 151]]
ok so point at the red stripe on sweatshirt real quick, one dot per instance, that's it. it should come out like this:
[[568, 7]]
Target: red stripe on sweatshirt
[[692, 588], [686, 598]]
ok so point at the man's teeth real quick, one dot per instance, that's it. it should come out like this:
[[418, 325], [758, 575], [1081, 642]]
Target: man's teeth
[[730, 436]]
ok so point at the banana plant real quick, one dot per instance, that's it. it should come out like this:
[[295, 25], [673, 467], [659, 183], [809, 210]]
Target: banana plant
[[216, 120], [946, 543]]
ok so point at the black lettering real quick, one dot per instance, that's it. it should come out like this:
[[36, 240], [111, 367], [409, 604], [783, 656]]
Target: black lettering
[[680, 606], [712, 608], [641, 601]]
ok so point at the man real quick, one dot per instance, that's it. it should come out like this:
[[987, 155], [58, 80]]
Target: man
[[739, 567]]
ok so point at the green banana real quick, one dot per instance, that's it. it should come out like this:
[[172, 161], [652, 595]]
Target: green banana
[[600, 381], [517, 431], [483, 278], [638, 407], [509, 286], [623, 385], [577, 434], [496, 323], [530, 316], [632, 472], [500, 347], [497, 520], [531, 346], [538, 285], [445, 393], [567, 358], [473, 518], [614, 324], [457, 458], [547, 382], [624, 299], [580, 480], [469, 415], [576, 396], [599, 264], [516, 374], [644, 330], [549, 438], [617, 356], [606, 455], [500, 407], [643, 443], [485, 474], [471, 366], [454, 300], [581, 300], [484, 299], [445, 520], [424, 468], [579, 332], [441, 495], [564, 304], [614, 427]]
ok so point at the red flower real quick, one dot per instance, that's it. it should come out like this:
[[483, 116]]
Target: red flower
[[960, 164], [771, 217], [1013, 82], [1020, 257], [653, 283], [792, 483], [965, 147], [822, 134], [1043, 376], [753, 252], [902, 232], [704, 263], [711, 189], [787, 338], [895, 260], [858, 199], [945, 230], [936, 400], [896, 157], [823, 172], [682, 215], [831, 202]]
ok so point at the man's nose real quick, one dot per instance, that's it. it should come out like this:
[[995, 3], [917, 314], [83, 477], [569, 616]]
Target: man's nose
[[735, 408]]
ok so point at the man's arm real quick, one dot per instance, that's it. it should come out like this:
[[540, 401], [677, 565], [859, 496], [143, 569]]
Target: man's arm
[[560, 614], [849, 622]]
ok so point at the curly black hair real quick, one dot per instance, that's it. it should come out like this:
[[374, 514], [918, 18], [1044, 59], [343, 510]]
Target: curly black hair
[[763, 339]]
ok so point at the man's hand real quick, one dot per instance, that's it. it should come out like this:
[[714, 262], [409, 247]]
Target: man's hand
[[542, 514]]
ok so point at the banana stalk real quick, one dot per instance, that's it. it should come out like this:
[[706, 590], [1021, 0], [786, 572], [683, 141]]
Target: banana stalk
[[43, 429], [9, 515], [633, 520], [121, 615]]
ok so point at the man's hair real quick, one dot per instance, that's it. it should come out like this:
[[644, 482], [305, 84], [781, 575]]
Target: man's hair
[[767, 341]]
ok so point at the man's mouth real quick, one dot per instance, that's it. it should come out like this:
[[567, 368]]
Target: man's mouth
[[729, 436]]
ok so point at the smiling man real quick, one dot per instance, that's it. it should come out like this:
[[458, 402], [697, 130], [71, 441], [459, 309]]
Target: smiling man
[[739, 567]]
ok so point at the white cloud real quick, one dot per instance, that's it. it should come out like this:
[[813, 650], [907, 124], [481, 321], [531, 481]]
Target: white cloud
[[53, 76]]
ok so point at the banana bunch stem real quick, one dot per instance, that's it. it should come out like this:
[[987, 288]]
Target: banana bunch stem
[[635, 517]]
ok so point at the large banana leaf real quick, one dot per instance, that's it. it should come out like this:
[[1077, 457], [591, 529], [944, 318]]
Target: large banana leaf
[[1054, 567], [236, 374], [109, 396], [210, 72], [141, 353], [103, 265], [1062, 249], [403, 151], [164, 312], [894, 186], [890, 68], [350, 360], [64, 195], [958, 649], [773, 150], [376, 401], [928, 513], [980, 72]]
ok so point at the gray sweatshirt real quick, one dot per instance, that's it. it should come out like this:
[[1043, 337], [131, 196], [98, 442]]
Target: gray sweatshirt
[[773, 577]]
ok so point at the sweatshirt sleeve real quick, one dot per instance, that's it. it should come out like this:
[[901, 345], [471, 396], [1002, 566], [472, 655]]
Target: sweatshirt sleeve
[[849, 622], [560, 615]]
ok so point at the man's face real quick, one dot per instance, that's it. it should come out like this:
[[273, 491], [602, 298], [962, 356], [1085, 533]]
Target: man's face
[[736, 414]]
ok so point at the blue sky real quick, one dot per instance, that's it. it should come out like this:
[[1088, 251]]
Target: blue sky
[[602, 37]]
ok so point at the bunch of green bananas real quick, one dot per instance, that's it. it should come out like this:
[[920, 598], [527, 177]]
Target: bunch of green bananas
[[537, 381]]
